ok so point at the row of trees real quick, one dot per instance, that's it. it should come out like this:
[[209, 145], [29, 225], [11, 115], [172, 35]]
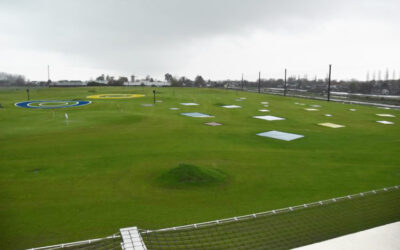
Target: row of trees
[[112, 81], [384, 87], [186, 82], [7, 79], [391, 87], [109, 80]]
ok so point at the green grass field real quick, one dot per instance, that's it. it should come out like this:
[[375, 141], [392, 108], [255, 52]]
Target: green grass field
[[101, 171]]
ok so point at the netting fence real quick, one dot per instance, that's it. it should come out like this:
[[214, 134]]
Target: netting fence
[[378, 94], [284, 228], [277, 229], [107, 243]]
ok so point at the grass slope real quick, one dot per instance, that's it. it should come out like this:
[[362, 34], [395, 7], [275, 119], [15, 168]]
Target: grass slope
[[64, 182]]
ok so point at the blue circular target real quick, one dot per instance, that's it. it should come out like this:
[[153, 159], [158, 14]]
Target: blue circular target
[[51, 104]]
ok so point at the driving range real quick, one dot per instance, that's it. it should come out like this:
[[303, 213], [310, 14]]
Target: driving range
[[115, 162]]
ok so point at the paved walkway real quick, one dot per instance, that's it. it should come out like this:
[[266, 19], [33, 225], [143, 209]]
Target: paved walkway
[[385, 237]]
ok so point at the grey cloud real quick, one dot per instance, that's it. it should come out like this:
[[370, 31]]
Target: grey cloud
[[144, 34]]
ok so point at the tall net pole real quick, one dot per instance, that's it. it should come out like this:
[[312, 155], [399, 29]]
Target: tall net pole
[[329, 82], [48, 73], [285, 86], [242, 81]]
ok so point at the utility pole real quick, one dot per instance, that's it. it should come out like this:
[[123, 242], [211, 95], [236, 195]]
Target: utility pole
[[329, 82], [259, 82], [285, 87], [242, 81]]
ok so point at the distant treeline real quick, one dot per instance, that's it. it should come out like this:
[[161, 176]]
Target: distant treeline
[[7, 79], [380, 87]]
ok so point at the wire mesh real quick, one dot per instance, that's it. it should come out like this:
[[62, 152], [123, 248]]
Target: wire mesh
[[108, 243], [285, 228], [277, 229], [318, 90]]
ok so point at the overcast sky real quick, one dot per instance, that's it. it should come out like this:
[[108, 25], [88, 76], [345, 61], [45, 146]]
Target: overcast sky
[[218, 39]]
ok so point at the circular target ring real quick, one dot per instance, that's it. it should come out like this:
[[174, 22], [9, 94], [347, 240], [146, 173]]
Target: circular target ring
[[51, 104], [115, 96]]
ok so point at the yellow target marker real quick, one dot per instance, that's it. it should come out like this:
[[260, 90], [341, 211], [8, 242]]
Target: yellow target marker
[[114, 96]]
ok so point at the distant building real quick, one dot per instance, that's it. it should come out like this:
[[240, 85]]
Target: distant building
[[147, 83], [230, 85], [132, 78], [66, 83], [104, 82]]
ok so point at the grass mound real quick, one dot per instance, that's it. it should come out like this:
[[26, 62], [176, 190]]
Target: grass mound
[[187, 175], [219, 104]]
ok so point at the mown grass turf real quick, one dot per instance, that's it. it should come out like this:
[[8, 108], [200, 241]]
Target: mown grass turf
[[87, 178]]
